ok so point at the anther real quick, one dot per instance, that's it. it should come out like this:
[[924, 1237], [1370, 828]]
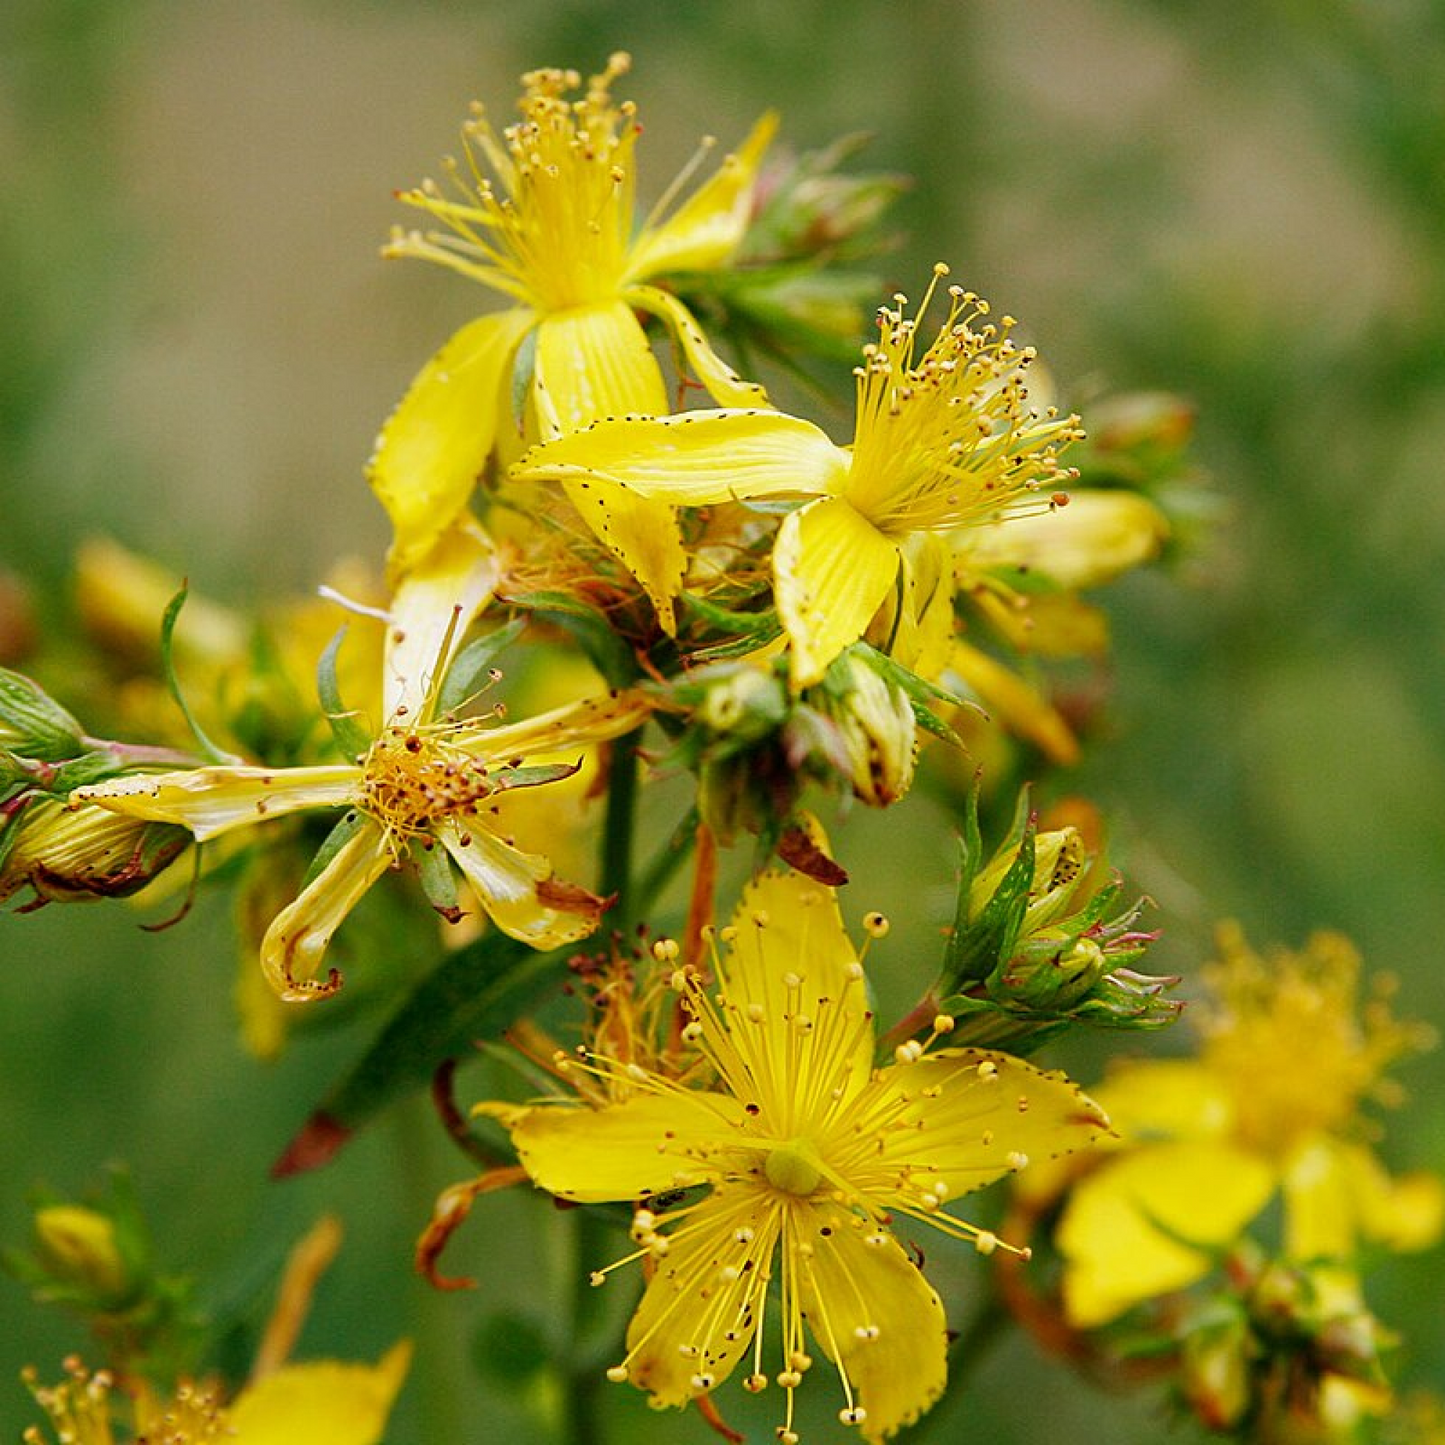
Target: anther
[[853, 1415], [875, 925], [617, 1374]]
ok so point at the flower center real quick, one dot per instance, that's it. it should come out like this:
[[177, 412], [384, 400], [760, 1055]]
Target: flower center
[[795, 1168], [411, 779]]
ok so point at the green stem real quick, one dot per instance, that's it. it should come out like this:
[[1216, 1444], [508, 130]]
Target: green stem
[[618, 827]]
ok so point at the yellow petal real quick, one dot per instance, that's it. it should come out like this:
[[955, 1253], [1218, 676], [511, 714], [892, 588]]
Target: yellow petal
[[696, 457], [1014, 703], [436, 443], [434, 603], [594, 362], [792, 957], [321, 1402], [832, 569], [709, 1285], [871, 1310], [574, 724], [517, 889], [209, 801], [1094, 538], [722, 383], [1166, 1099], [920, 634], [976, 1115], [1335, 1192], [703, 233], [299, 935], [1204, 1193], [626, 1150]]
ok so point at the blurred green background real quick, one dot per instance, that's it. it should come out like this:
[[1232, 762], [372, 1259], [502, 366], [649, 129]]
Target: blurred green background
[[1242, 203]]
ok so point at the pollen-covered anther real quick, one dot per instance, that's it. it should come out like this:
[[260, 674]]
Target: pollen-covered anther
[[875, 925], [692, 1033], [596, 1279], [985, 1241], [789, 1379], [787, 1436], [866, 1332], [755, 1384], [944, 1023], [988, 1071], [799, 1361], [617, 1374], [1016, 1160], [705, 1380], [908, 1053], [666, 950], [852, 1415]]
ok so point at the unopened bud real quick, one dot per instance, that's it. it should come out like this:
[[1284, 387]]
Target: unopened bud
[[78, 1247]]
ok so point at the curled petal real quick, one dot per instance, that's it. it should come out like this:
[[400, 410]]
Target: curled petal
[[517, 889], [703, 233], [448, 1215], [832, 570], [210, 801], [436, 443], [300, 934], [722, 383]]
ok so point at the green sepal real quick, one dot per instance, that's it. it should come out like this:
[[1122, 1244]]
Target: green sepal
[[438, 882], [32, 723], [505, 779], [919, 692], [209, 750], [977, 950], [465, 677], [351, 737], [475, 993], [345, 830], [762, 627], [606, 651]]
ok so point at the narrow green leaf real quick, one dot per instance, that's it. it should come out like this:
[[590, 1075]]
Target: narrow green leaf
[[209, 750], [351, 737], [607, 652], [469, 673]]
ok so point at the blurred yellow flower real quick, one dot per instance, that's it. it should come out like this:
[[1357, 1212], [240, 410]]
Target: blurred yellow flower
[[941, 441], [427, 779], [809, 1154], [544, 214], [1270, 1106]]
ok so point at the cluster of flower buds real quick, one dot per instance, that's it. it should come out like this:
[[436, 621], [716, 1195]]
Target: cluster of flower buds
[[1282, 1351], [1036, 943]]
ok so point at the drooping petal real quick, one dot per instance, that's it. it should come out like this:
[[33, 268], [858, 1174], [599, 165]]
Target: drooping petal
[[1094, 538], [791, 959], [1020, 708], [435, 603], [209, 801], [648, 1144], [517, 889], [832, 569], [436, 443], [1203, 1193], [965, 1117], [707, 1297], [594, 362], [703, 233], [871, 1310], [573, 725], [297, 940], [722, 383], [320, 1402]]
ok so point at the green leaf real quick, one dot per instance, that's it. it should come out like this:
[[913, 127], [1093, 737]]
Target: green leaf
[[474, 993], [209, 750], [437, 880], [351, 737], [607, 652], [471, 670]]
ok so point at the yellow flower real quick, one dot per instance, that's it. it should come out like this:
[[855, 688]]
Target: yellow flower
[[1270, 1106], [543, 214], [425, 780], [941, 441], [809, 1155]]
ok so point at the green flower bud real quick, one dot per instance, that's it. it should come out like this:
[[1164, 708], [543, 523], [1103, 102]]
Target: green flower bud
[[78, 1247], [33, 724], [875, 719]]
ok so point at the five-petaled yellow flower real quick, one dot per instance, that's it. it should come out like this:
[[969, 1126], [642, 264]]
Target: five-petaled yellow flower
[[552, 228], [809, 1153], [1271, 1106], [941, 440], [425, 780]]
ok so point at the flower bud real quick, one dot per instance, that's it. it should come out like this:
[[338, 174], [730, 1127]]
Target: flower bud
[[879, 732], [78, 1247], [33, 724], [1215, 1372]]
